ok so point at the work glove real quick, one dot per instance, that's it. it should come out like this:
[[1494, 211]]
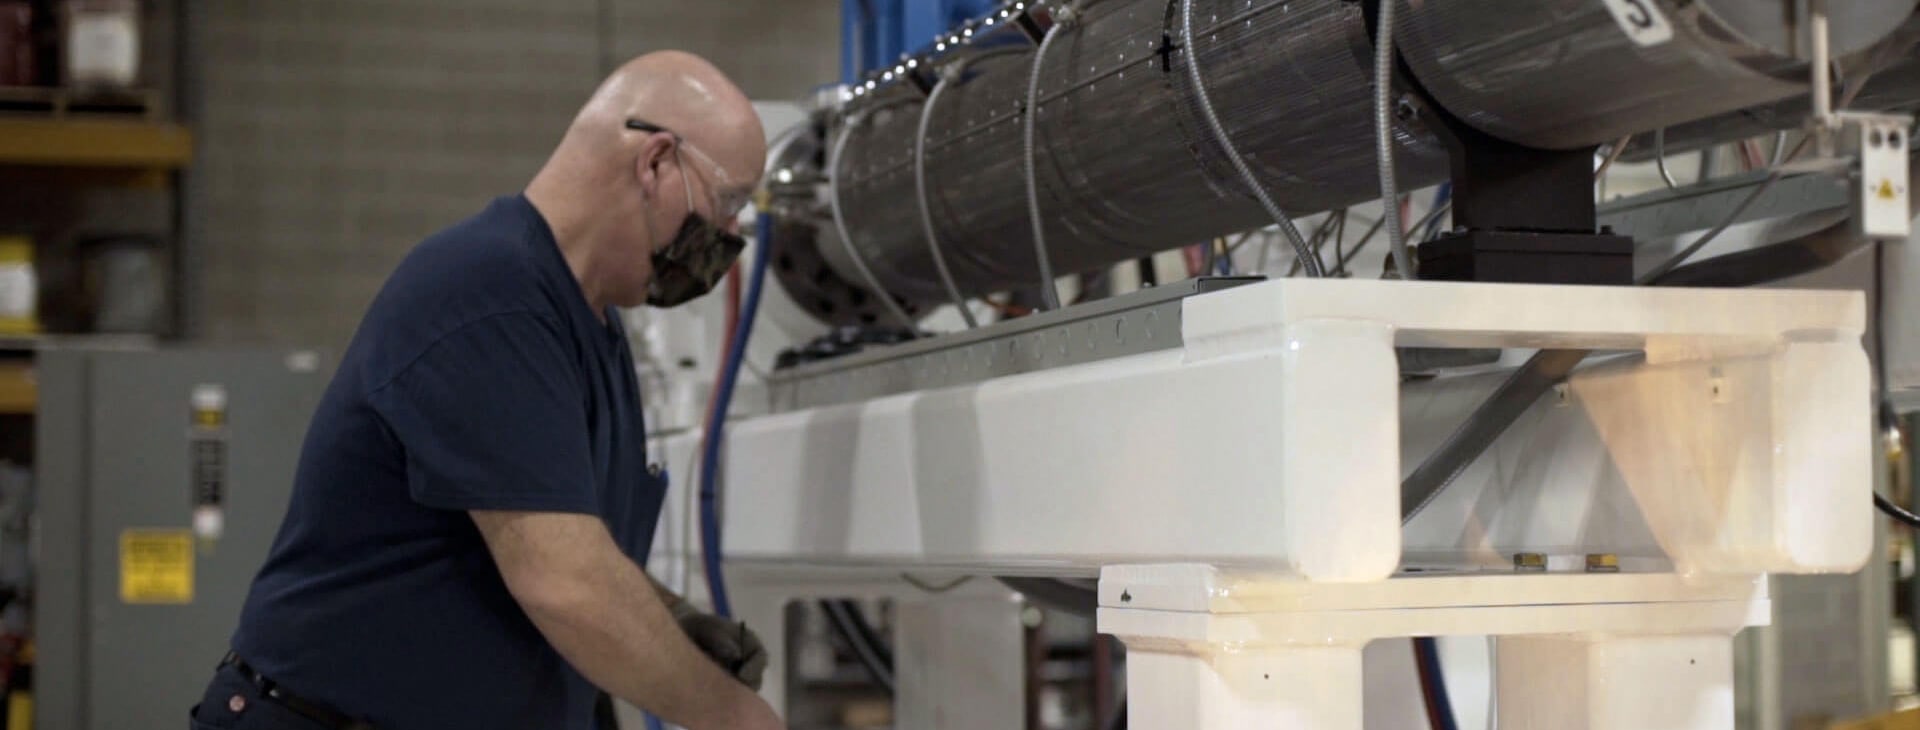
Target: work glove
[[729, 643]]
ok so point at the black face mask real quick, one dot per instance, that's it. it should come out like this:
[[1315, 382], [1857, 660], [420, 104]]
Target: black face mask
[[693, 262]]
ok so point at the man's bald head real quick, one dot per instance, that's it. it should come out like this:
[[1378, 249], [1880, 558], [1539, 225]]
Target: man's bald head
[[663, 128], [683, 93]]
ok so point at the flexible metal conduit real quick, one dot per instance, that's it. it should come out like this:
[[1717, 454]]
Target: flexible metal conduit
[[1309, 259], [834, 161], [1049, 291], [920, 194], [1383, 136]]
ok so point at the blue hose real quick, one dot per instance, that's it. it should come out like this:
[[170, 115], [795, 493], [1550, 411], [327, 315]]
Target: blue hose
[[1441, 197], [1433, 683], [654, 723], [716, 422]]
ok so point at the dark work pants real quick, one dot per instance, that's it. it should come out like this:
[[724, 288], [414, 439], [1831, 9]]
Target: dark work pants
[[233, 703]]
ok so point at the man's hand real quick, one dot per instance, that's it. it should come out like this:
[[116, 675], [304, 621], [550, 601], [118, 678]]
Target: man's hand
[[598, 609], [729, 643], [756, 714]]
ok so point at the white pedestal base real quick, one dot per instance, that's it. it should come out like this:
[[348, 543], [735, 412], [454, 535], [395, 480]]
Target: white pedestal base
[[1212, 649], [1300, 687], [1616, 682]]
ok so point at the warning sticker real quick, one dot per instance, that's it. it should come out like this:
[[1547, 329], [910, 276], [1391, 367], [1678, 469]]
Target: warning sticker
[[156, 566]]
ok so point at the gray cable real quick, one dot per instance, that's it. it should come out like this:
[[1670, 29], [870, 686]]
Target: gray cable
[[1318, 240], [926, 210], [1339, 240], [846, 624], [1383, 138], [931, 588], [1340, 264], [1300, 247], [1049, 290], [1432, 215], [1660, 157], [840, 226]]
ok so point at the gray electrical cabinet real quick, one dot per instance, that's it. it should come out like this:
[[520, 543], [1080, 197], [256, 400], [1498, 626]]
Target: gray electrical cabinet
[[136, 454]]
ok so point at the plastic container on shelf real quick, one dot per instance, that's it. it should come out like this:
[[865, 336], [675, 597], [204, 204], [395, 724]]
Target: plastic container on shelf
[[102, 42], [125, 284], [19, 286]]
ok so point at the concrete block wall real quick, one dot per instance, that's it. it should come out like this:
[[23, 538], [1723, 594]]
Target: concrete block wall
[[335, 135]]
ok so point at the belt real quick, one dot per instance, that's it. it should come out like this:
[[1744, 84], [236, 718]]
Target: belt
[[326, 716]]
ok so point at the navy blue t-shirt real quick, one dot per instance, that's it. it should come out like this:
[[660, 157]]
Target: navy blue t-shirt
[[480, 379]]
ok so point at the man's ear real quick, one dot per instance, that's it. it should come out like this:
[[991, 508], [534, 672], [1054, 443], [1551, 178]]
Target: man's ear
[[653, 153]]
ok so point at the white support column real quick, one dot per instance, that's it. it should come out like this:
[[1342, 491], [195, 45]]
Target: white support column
[[1222, 686], [1340, 450], [959, 653], [1682, 682], [959, 663]]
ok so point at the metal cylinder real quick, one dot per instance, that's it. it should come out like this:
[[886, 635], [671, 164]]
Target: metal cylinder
[[1127, 165], [1564, 74], [1881, 78]]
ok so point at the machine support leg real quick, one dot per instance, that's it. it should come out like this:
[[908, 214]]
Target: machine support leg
[[959, 663], [1220, 686], [1572, 682]]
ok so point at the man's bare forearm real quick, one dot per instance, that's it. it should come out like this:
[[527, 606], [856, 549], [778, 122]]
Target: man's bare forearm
[[673, 601], [604, 615]]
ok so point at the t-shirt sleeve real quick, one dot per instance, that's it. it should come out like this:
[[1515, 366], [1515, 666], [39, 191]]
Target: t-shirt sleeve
[[492, 416]]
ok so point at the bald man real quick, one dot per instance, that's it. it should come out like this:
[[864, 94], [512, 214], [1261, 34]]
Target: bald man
[[474, 498]]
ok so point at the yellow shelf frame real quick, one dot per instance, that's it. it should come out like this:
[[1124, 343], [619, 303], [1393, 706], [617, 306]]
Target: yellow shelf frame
[[94, 143], [19, 394]]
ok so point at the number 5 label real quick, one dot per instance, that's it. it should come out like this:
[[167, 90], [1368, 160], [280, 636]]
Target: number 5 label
[[1642, 21]]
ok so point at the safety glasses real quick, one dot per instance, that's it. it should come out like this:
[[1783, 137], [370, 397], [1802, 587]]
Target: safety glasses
[[728, 199]]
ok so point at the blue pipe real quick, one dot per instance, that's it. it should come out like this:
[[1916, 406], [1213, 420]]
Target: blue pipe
[[654, 723], [1441, 196], [1427, 652], [716, 423]]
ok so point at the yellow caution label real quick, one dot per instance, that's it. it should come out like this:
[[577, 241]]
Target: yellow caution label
[[208, 418], [156, 566], [1885, 190]]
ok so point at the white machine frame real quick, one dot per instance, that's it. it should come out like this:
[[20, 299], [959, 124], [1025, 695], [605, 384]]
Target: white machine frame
[[1238, 495]]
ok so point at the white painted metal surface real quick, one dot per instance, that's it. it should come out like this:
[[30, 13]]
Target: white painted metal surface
[[1240, 494], [1274, 440]]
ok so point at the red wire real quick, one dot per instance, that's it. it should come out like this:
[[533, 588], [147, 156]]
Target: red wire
[[1195, 257]]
